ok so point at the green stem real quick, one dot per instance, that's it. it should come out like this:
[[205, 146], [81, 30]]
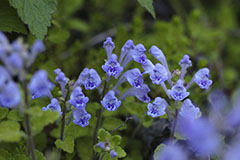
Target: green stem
[[30, 142], [99, 120]]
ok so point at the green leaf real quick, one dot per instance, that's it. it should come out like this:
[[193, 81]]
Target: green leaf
[[10, 131], [115, 140], [58, 35], [86, 151], [148, 4], [15, 115], [135, 108], [39, 155], [75, 131], [67, 145], [77, 24], [41, 118], [5, 155], [9, 20], [3, 113], [157, 151], [120, 152], [147, 121], [103, 135], [36, 14], [20, 157], [110, 123]]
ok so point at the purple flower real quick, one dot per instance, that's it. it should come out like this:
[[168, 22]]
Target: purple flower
[[39, 85], [36, 48], [148, 67], [110, 101], [178, 91], [109, 46], [4, 77], [233, 152], [10, 95], [202, 78], [157, 108], [53, 106], [17, 46], [89, 78], [112, 67], [15, 61], [200, 135], [61, 79], [159, 74], [185, 62], [81, 117], [113, 154], [3, 40], [172, 152], [188, 110], [128, 46], [140, 93], [77, 98], [138, 54], [101, 145]]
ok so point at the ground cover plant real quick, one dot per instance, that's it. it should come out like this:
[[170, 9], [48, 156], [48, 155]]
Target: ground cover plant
[[108, 80]]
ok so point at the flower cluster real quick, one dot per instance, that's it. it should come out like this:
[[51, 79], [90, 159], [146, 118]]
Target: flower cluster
[[16, 56]]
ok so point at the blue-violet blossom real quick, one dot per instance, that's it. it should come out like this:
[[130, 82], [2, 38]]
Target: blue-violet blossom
[[77, 98], [81, 117], [53, 106], [112, 67], [188, 110], [157, 108], [110, 101], [178, 92]]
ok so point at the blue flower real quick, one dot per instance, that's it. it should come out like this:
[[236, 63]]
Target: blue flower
[[109, 46], [185, 62], [172, 152], [200, 135], [10, 95], [133, 76], [202, 78], [110, 101], [148, 67], [233, 151], [77, 98], [89, 78], [159, 74], [157, 108], [61, 79], [189, 111], [36, 48], [113, 154], [15, 61], [140, 93], [4, 77], [178, 92], [53, 106], [39, 85], [101, 145], [128, 46], [81, 117], [112, 67], [138, 54]]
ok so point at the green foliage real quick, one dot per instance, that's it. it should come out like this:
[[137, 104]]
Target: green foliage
[[83, 147], [148, 4], [67, 144], [36, 14], [10, 131], [4, 155], [39, 155], [110, 123], [15, 115], [40, 118], [9, 20], [103, 135], [3, 113]]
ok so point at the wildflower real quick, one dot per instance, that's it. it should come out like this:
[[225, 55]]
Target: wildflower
[[61, 79], [77, 98], [201, 78], [185, 62], [109, 46], [110, 101], [148, 67], [36, 48], [10, 95], [157, 108], [81, 117], [159, 74], [133, 76], [113, 154], [178, 92], [4, 77], [171, 152], [89, 78], [101, 145], [112, 67], [39, 85], [140, 93], [188, 110], [127, 47], [53, 106]]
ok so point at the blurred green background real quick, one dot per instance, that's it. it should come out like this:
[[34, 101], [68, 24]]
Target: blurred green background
[[206, 30]]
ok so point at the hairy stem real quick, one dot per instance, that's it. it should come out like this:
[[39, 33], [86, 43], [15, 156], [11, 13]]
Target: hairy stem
[[30, 142], [99, 120]]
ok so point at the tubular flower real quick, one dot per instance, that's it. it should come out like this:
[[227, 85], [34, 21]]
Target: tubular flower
[[81, 117], [178, 91], [77, 98], [157, 108], [112, 67], [110, 101], [53, 106]]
